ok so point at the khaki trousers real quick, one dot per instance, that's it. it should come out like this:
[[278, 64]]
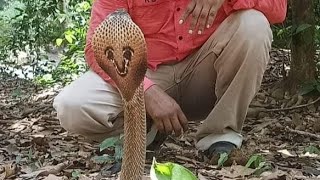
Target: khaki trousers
[[215, 84]]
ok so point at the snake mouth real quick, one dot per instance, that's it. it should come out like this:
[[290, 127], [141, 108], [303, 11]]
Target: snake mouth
[[127, 54], [121, 71]]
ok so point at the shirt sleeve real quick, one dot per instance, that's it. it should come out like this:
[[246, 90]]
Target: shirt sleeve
[[100, 10], [274, 10]]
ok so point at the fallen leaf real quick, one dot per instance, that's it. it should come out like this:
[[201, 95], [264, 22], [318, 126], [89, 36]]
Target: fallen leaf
[[45, 171], [53, 177], [236, 171], [201, 177], [286, 153], [173, 146], [84, 154], [7, 170], [268, 175]]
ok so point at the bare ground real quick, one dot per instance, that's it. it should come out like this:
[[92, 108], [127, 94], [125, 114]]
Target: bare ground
[[278, 126]]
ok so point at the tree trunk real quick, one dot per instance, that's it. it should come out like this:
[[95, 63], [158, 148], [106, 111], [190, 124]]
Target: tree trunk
[[303, 65]]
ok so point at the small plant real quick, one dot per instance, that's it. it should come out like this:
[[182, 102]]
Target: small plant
[[222, 159], [170, 171], [312, 150], [75, 174], [311, 87], [114, 142], [258, 163]]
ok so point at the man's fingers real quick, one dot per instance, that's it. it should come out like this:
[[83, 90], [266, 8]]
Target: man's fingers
[[211, 17], [202, 21], [188, 11], [195, 17], [183, 120], [167, 126], [160, 125], [176, 125]]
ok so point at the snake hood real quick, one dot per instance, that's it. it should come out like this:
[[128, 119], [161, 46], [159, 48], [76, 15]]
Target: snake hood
[[120, 50]]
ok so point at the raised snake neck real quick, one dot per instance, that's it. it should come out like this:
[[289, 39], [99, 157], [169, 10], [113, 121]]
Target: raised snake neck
[[120, 50], [134, 137]]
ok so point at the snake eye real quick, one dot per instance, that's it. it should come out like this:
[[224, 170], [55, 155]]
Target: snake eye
[[127, 52], [109, 53]]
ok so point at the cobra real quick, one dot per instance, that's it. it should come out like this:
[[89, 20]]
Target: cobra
[[120, 50]]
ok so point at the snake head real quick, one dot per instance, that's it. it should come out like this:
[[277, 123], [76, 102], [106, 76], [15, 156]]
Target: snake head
[[120, 50]]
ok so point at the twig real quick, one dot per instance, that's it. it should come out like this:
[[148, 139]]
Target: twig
[[260, 105], [304, 133], [4, 121], [291, 108], [192, 161], [262, 126]]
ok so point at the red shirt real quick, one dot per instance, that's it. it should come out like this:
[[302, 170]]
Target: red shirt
[[167, 40]]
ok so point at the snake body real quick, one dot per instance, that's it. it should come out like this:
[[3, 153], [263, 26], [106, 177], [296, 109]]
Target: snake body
[[120, 50]]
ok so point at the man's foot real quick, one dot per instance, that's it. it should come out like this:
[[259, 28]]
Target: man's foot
[[218, 148]]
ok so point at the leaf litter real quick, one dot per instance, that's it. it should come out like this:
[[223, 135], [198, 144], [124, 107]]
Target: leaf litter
[[34, 146]]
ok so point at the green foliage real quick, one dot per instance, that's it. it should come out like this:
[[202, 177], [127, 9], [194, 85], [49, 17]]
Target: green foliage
[[3, 3], [310, 87], [258, 162], [73, 42], [34, 27], [75, 174], [170, 171], [222, 159], [282, 36], [312, 150], [115, 143], [283, 32], [255, 161], [111, 142], [6, 29], [301, 28]]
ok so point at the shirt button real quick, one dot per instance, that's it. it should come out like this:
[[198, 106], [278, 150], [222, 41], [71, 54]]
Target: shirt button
[[178, 9], [180, 37]]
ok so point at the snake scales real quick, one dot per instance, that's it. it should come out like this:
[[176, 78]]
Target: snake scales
[[120, 50]]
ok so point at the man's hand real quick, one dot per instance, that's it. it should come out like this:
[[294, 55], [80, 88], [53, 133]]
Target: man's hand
[[203, 13], [164, 111]]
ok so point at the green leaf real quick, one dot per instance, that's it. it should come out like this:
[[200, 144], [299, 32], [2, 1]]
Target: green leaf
[[280, 32], [69, 38], [30, 154], [251, 160], [302, 27], [312, 150], [18, 159], [306, 89], [16, 92], [318, 87], [76, 173], [222, 159], [118, 153], [59, 41], [179, 172], [165, 169], [19, 9], [255, 160], [109, 142], [262, 167], [170, 171]]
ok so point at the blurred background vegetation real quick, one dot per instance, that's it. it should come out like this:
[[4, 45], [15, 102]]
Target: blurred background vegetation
[[43, 40]]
